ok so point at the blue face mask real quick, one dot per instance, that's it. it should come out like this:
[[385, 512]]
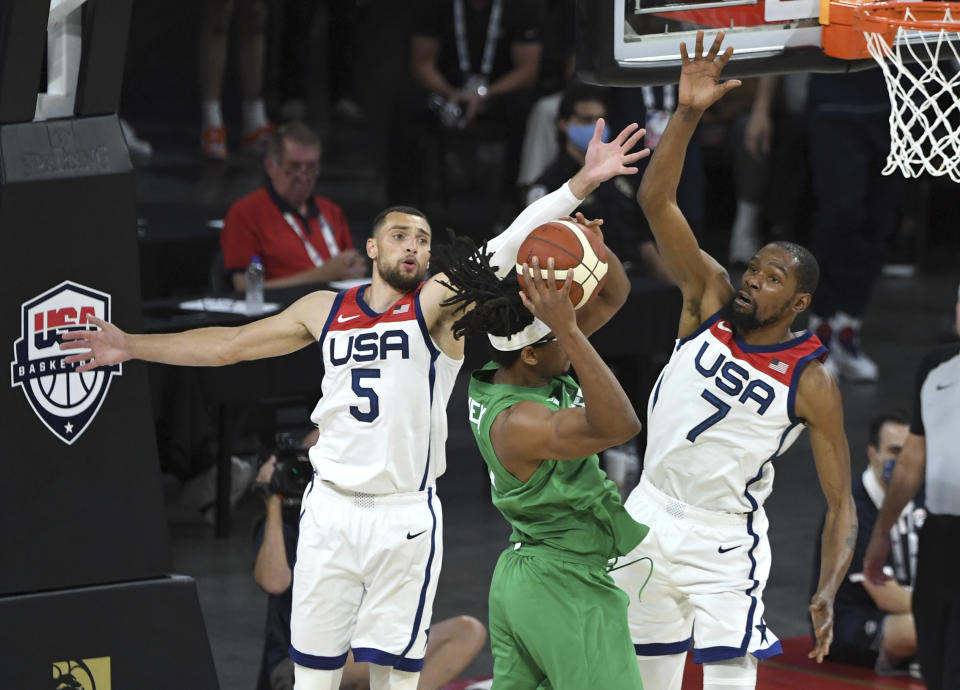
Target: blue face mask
[[888, 470], [581, 135]]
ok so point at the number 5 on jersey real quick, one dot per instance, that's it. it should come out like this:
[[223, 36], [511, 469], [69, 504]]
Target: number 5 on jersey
[[362, 392]]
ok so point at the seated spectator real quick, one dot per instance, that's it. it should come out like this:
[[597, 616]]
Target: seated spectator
[[873, 625], [299, 237], [625, 228], [471, 60], [452, 644]]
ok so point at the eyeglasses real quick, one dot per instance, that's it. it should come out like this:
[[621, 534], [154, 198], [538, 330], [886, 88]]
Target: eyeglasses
[[292, 168]]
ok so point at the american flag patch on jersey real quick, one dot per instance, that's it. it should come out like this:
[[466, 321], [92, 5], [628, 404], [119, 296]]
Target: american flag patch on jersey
[[401, 308], [778, 366]]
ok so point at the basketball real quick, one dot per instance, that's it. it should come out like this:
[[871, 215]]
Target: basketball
[[573, 248]]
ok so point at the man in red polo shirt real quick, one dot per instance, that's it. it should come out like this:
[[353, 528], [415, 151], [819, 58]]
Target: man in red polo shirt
[[299, 237]]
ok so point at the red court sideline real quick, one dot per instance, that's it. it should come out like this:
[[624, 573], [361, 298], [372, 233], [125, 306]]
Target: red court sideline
[[792, 670]]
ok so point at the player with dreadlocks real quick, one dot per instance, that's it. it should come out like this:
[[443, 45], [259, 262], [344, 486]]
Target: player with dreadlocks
[[555, 612]]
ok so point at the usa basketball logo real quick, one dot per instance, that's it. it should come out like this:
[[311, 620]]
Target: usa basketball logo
[[65, 400]]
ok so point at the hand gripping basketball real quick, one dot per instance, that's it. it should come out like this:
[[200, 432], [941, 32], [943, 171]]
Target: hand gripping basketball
[[547, 300], [577, 251]]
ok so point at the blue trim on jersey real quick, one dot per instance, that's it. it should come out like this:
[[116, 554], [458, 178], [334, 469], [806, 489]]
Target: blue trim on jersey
[[700, 329], [434, 351], [382, 658], [709, 654], [776, 347], [431, 378], [303, 501], [753, 562], [426, 576], [795, 381], [363, 305], [334, 308], [656, 391], [663, 648], [322, 663], [772, 650]]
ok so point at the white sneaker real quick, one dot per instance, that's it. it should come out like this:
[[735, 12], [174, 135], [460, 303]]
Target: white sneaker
[[201, 491], [745, 234], [821, 328], [744, 243], [853, 363]]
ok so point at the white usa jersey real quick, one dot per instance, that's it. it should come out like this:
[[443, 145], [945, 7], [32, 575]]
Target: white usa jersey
[[382, 417], [720, 412]]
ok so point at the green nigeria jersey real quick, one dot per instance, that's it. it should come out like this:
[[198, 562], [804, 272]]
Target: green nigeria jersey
[[566, 504]]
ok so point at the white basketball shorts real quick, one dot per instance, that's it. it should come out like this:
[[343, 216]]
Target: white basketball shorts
[[365, 577], [705, 591]]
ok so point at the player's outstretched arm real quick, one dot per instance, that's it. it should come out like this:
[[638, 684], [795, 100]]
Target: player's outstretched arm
[[819, 403], [703, 281], [603, 161], [528, 432], [908, 474], [286, 332]]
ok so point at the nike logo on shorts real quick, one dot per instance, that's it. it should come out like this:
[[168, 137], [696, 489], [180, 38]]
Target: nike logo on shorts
[[343, 319], [414, 536], [941, 387], [720, 549]]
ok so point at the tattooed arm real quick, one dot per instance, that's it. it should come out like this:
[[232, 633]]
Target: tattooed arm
[[818, 402]]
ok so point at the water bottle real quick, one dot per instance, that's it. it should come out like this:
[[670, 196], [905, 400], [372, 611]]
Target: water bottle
[[254, 292]]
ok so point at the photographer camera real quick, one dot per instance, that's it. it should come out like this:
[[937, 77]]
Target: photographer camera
[[282, 479], [289, 477]]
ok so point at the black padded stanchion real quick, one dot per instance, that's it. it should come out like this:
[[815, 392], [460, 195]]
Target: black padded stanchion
[[84, 583]]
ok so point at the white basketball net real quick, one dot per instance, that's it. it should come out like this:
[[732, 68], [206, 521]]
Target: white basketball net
[[924, 98]]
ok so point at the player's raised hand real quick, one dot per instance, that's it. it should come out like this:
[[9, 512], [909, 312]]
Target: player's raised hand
[[549, 302], [607, 160], [104, 346], [821, 614], [700, 85]]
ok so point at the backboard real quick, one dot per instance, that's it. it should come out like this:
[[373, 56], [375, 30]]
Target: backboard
[[634, 42]]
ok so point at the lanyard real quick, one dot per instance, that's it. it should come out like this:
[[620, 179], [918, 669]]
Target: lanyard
[[489, 47], [311, 250], [669, 98]]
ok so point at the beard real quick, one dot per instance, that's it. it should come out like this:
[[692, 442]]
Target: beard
[[398, 279], [745, 322]]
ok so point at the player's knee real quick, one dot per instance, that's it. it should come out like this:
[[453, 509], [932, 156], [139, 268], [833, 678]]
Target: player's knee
[[900, 636], [664, 672], [316, 679], [472, 631], [389, 678], [731, 674]]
